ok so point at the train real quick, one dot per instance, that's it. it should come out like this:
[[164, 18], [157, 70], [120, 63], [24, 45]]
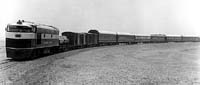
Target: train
[[29, 40]]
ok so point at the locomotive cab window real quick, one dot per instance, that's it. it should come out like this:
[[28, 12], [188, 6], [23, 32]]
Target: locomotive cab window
[[13, 28]]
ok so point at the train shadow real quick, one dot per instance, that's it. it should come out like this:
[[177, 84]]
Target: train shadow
[[28, 59], [70, 52], [18, 60]]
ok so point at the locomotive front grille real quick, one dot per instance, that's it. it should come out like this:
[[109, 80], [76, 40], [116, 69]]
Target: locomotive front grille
[[18, 43]]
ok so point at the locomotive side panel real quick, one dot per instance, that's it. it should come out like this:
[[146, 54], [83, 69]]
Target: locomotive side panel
[[46, 38]]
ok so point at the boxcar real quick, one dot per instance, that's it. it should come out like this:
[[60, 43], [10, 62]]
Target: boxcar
[[81, 39], [73, 39], [91, 39]]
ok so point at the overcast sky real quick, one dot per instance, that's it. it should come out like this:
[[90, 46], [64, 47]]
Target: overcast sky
[[174, 17]]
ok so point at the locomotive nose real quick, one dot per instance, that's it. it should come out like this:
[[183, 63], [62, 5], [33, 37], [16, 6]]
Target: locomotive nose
[[19, 53]]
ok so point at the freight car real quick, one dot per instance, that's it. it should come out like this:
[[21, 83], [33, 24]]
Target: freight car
[[91, 39], [80, 40], [28, 40], [74, 39]]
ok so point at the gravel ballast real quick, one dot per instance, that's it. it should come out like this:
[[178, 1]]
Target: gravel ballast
[[141, 64]]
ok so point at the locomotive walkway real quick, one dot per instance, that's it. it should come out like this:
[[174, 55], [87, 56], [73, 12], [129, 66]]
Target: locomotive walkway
[[145, 64]]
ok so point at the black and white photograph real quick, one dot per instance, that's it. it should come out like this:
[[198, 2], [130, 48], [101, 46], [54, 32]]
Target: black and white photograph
[[100, 42]]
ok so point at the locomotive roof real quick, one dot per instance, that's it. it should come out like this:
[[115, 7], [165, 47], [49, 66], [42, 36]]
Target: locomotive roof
[[47, 27], [69, 32], [23, 24], [30, 24]]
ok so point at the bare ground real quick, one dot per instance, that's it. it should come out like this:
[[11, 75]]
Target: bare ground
[[143, 64]]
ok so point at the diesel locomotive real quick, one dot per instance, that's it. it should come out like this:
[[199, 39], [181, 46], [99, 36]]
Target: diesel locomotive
[[28, 40]]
